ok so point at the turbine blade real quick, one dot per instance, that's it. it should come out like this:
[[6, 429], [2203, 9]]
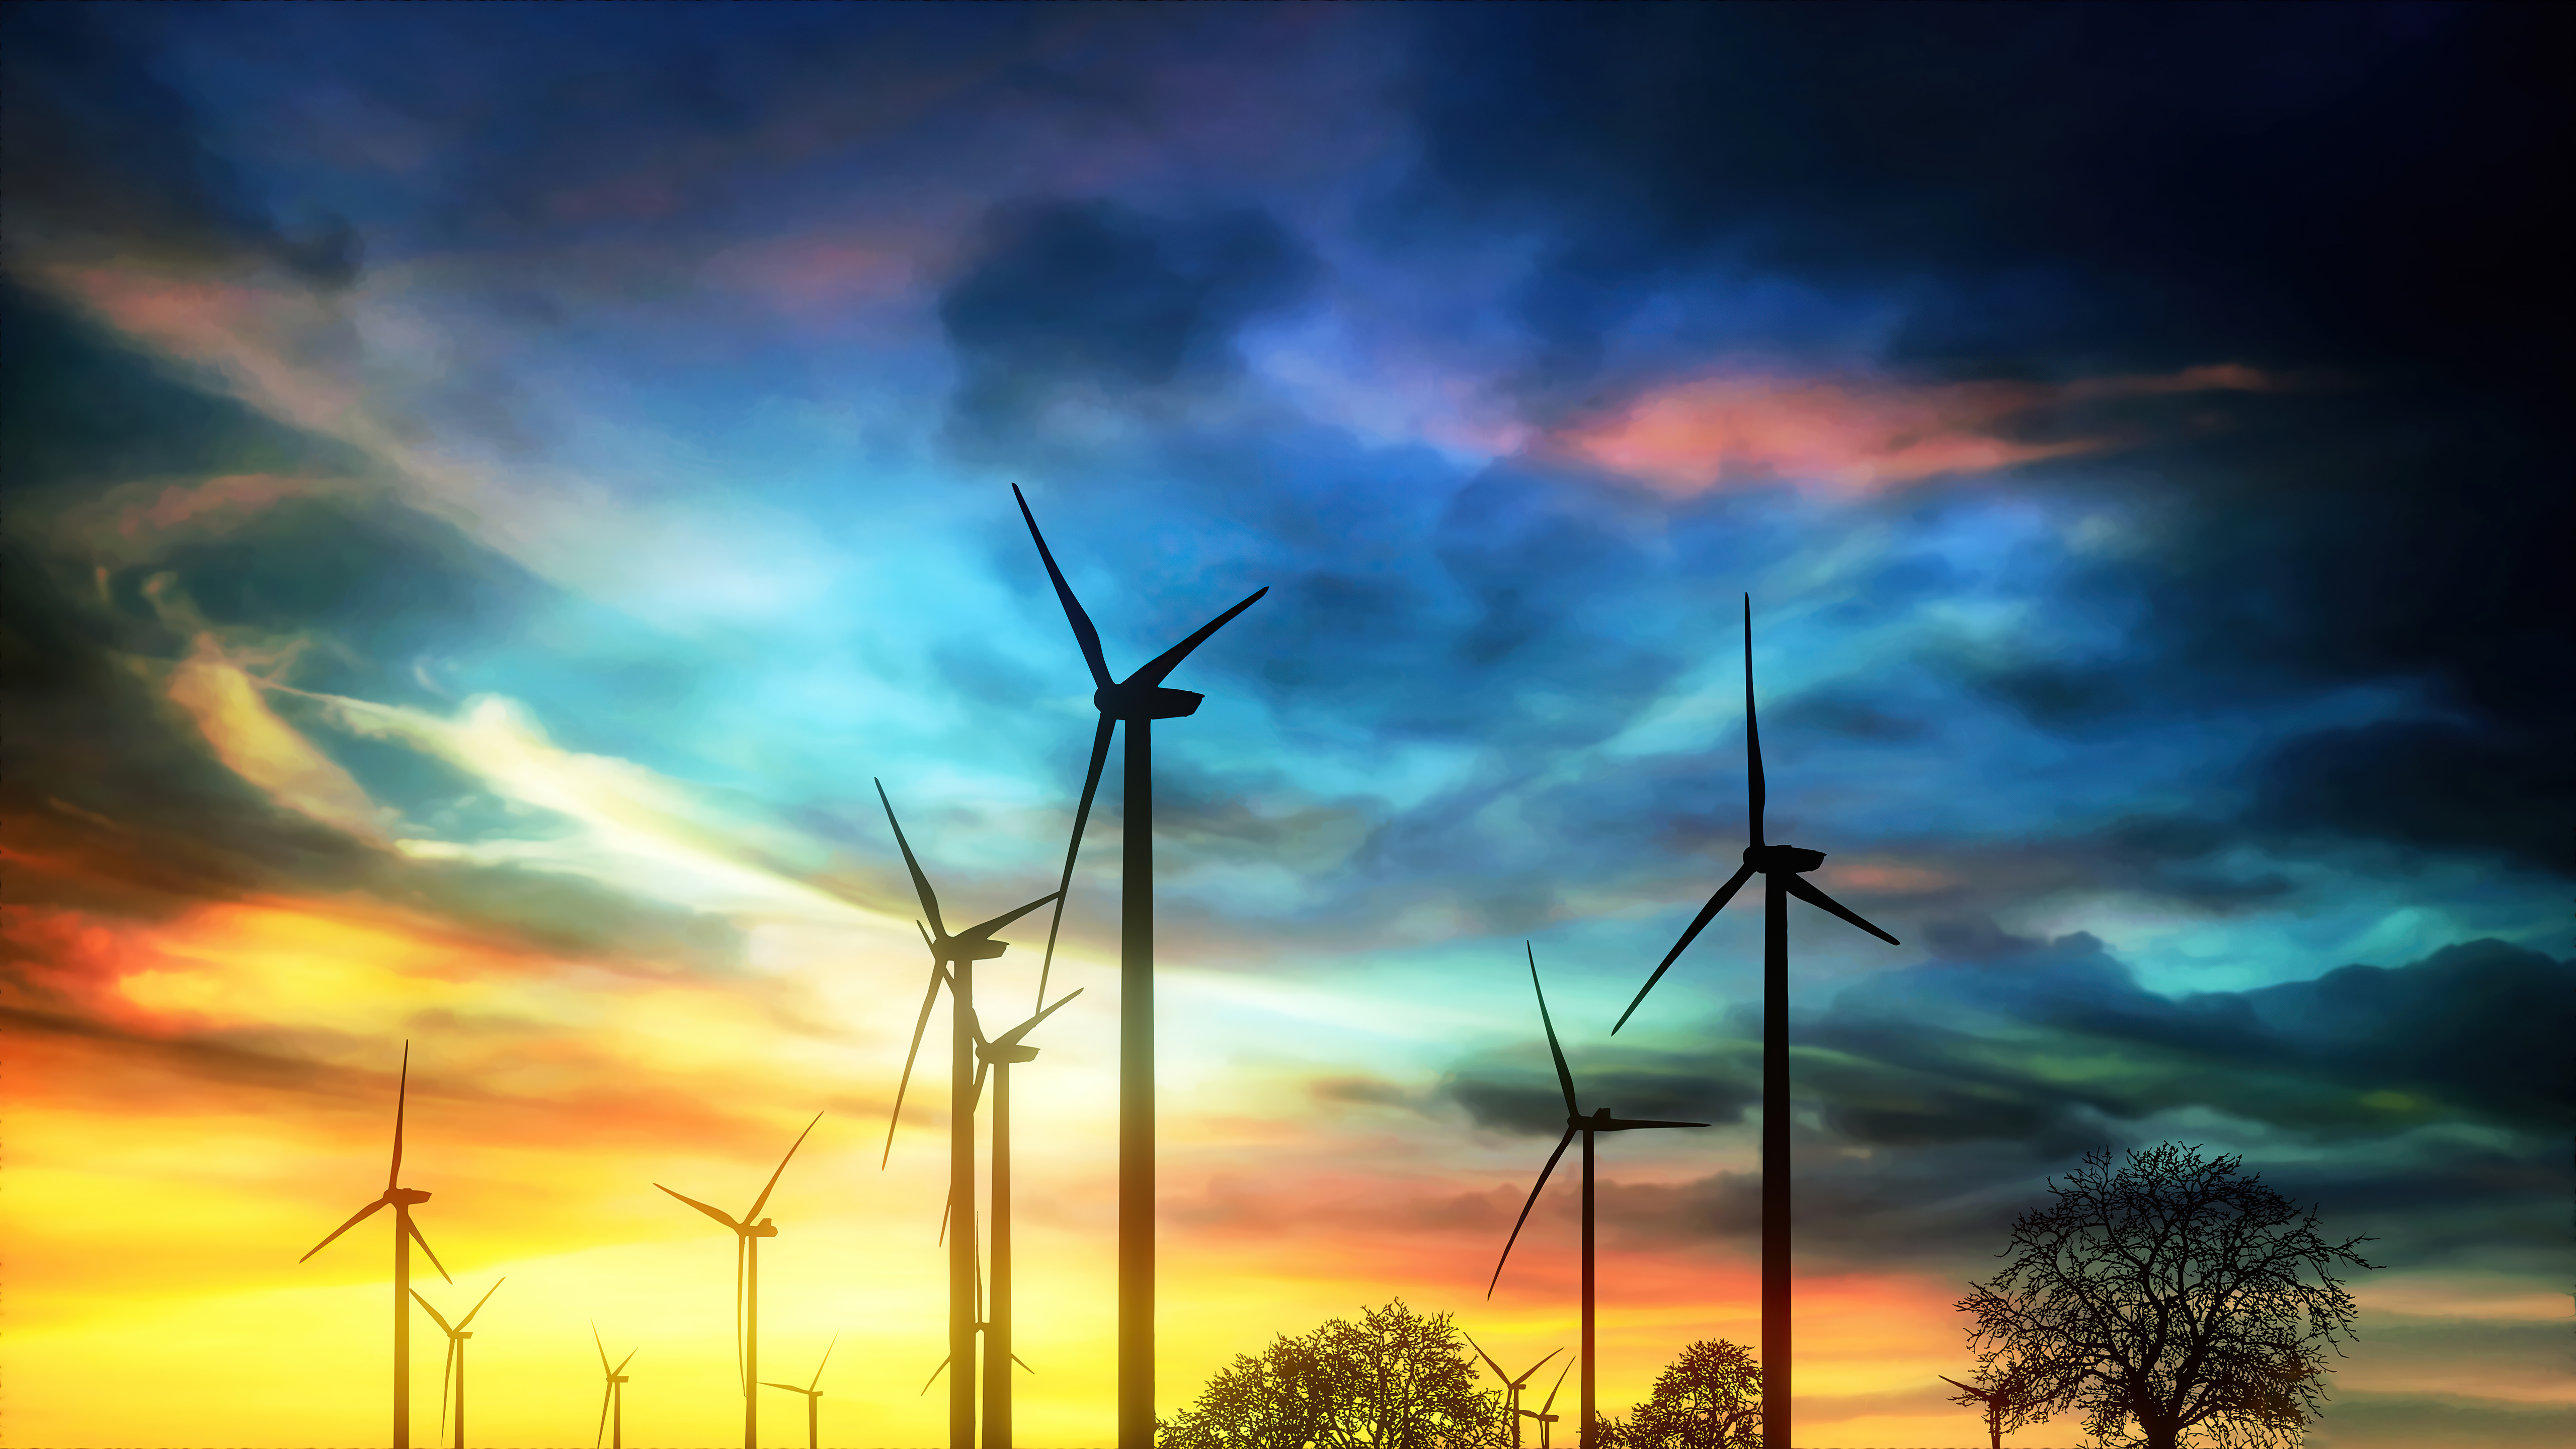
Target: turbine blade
[[479, 1302], [775, 1384], [1487, 1357], [1073, 847], [1699, 923], [601, 1437], [1755, 792], [945, 1208], [714, 1212], [1534, 1368], [433, 1313], [1800, 887], [1535, 1189], [1012, 1037], [444, 1370], [1083, 634], [360, 1216], [630, 1358], [1560, 1383], [818, 1368], [402, 1092], [413, 1228], [984, 932], [1170, 659], [758, 1202], [741, 1380], [976, 1103], [920, 882], [1024, 1363], [919, 1025], [934, 1377], [1564, 1078], [1622, 1124]]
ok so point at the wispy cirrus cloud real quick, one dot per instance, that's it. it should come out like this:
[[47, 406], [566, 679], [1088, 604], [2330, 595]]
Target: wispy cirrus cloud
[[1862, 435]]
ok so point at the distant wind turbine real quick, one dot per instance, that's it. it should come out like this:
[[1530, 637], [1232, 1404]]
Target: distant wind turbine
[[1000, 1055], [952, 959], [1139, 699], [402, 1200], [612, 1400], [1546, 1420], [1575, 1122], [746, 1284], [1512, 1386], [456, 1336], [813, 1398], [1782, 868]]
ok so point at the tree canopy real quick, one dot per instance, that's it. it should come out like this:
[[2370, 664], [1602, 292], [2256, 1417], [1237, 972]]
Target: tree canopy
[[2170, 1300], [1708, 1398], [1396, 1379]]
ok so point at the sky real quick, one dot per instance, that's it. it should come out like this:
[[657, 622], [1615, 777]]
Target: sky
[[488, 487]]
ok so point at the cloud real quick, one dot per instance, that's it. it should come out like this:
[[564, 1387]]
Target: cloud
[[1855, 435], [1091, 300], [254, 743], [106, 159]]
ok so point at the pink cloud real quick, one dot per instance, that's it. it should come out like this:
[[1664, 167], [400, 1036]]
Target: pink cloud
[[1855, 434]]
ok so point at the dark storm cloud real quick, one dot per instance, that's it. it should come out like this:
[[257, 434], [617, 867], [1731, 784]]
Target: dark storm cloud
[[105, 156], [1101, 302], [2125, 177], [2355, 195]]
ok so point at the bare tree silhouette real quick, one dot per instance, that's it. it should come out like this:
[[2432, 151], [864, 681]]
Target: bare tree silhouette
[[2004, 1392], [2173, 1294]]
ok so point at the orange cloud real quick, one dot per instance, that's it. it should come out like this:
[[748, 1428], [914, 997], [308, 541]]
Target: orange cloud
[[266, 751], [1853, 434]]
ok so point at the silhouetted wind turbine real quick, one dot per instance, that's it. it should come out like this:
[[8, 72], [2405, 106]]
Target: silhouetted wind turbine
[[1782, 868], [402, 1200], [456, 1336], [1575, 1122], [1546, 1420], [813, 1398], [612, 1425], [1139, 699], [1512, 1386], [953, 958], [1000, 1055], [746, 1284]]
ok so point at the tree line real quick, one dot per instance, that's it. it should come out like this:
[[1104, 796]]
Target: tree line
[[2167, 1300]]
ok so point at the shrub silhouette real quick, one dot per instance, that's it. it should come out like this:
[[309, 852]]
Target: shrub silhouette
[[1708, 1398]]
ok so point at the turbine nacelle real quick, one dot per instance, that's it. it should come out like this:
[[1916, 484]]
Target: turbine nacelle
[[405, 1196], [1130, 699], [959, 949], [1783, 859]]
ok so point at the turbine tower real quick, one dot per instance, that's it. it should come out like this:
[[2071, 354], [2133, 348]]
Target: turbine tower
[[1783, 868], [1512, 1386], [402, 1200], [746, 1284], [952, 959], [1575, 1122], [612, 1400], [1000, 1055], [1139, 699], [456, 1336], [813, 1398]]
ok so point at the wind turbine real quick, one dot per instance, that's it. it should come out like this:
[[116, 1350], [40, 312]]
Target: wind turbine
[[1546, 1420], [1000, 1055], [402, 1200], [1139, 699], [1782, 868], [1512, 1386], [813, 1398], [953, 958], [613, 1427], [1575, 1122], [456, 1336], [746, 1273]]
